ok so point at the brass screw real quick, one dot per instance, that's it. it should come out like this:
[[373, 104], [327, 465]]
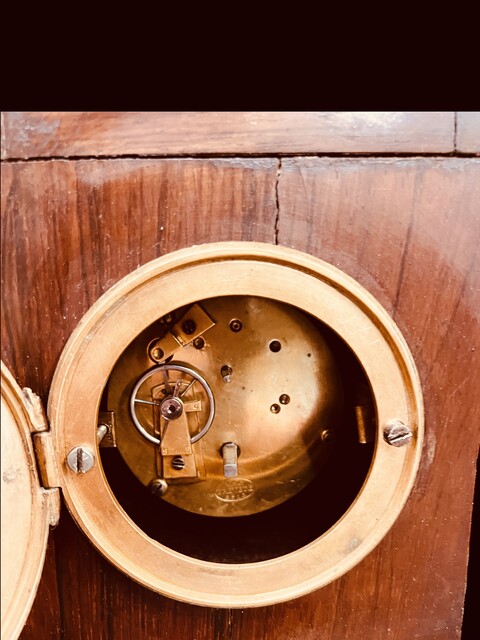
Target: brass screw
[[397, 434], [189, 326], [178, 463], [80, 459], [158, 487], [157, 353], [199, 343]]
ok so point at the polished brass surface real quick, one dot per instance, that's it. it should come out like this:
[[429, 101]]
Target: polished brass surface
[[365, 423], [187, 329], [281, 451], [222, 270], [177, 459]]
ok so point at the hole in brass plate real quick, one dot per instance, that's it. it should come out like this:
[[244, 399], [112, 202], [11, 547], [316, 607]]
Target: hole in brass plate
[[236, 325]]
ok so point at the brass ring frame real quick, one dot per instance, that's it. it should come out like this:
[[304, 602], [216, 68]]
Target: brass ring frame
[[236, 268]]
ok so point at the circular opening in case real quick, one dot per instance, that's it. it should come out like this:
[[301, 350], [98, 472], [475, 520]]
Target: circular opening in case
[[314, 500], [280, 498]]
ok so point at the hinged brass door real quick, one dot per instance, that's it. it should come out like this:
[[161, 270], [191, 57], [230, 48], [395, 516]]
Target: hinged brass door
[[27, 508]]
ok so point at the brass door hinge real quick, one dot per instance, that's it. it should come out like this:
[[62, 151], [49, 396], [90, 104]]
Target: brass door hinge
[[44, 454]]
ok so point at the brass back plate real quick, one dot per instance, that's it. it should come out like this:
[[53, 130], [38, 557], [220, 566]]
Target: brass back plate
[[282, 394]]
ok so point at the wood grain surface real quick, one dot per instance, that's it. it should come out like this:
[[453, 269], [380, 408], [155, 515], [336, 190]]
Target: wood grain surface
[[406, 229], [73, 229], [73, 134], [468, 131], [70, 231], [409, 231]]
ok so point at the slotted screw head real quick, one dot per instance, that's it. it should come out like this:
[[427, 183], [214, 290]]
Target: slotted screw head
[[80, 459], [328, 434], [189, 326], [397, 434], [158, 487], [178, 463], [199, 343]]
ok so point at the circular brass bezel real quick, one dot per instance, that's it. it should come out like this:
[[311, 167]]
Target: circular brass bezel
[[221, 269]]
